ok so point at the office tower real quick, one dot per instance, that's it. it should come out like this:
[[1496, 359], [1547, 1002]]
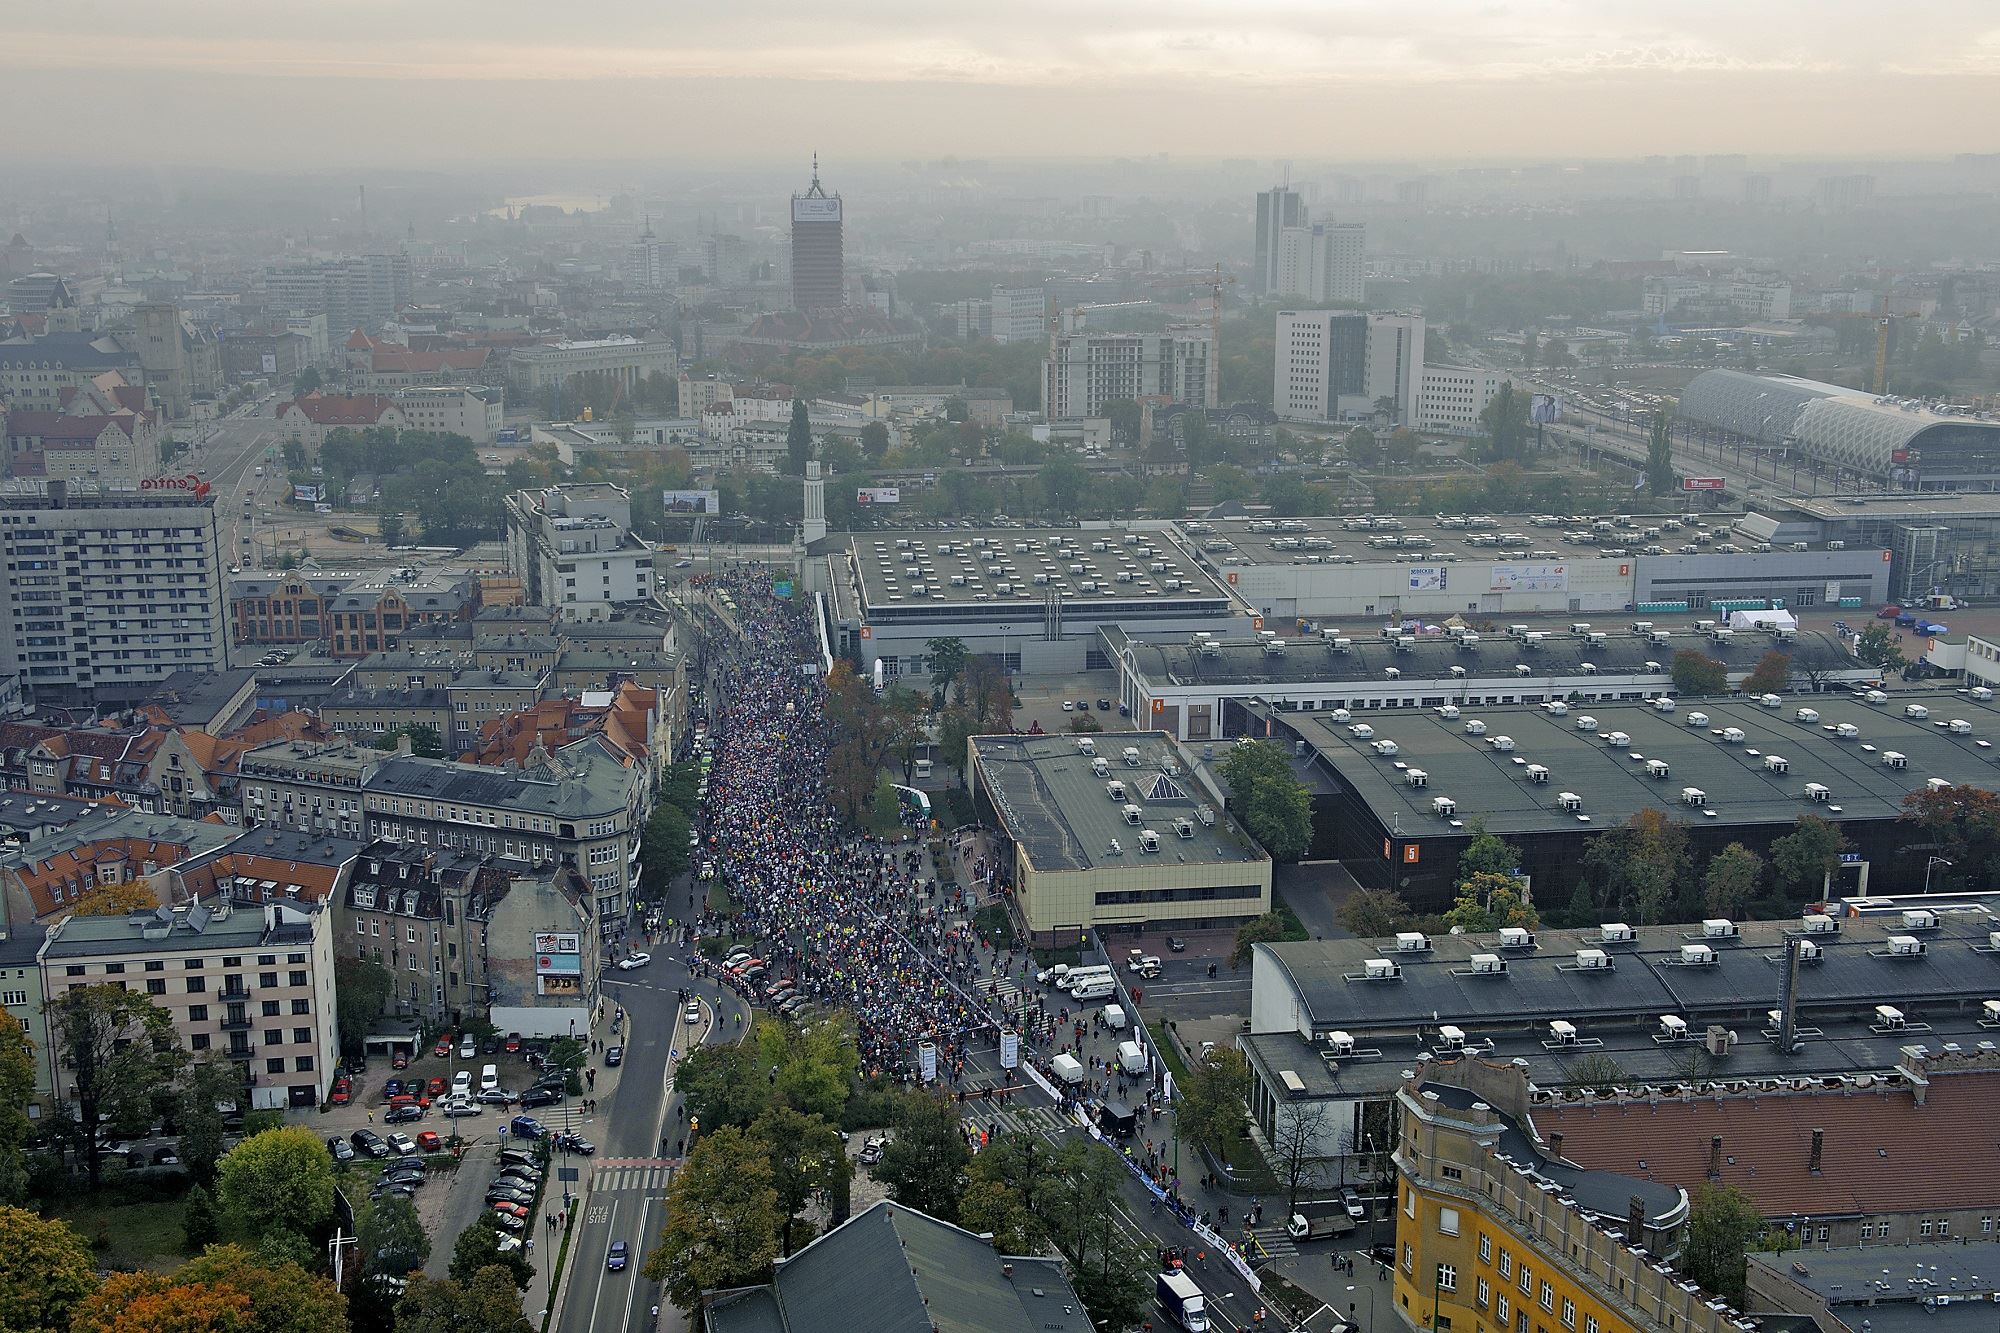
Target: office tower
[[817, 280], [1019, 314], [1338, 366], [643, 267], [1323, 262], [1084, 371], [1277, 208]]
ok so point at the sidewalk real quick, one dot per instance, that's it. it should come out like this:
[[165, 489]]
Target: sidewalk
[[535, 1302]]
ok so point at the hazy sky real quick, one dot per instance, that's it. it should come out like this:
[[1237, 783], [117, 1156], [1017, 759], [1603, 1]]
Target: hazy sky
[[435, 81]]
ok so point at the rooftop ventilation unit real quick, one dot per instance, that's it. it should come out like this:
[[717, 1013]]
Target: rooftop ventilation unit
[[1381, 969], [1672, 1028], [1593, 960], [1451, 1038], [1904, 946], [1657, 768], [1444, 807], [1274, 648], [1516, 937], [1846, 731], [1468, 640], [1769, 701], [1449, 712], [1663, 704], [1085, 745], [1917, 712], [1416, 777], [1808, 716], [1502, 743], [1697, 955], [1920, 918], [1131, 753], [1340, 645], [1562, 1032], [1697, 719], [1489, 964], [1341, 715], [1693, 796], [1777, 763], [1361, 731], [1132, 814], [1617, 740], [1412, 941], [1568, 800], [1392, 673], [1458, 673], [1587, 668], [1586, 723], [1149, 840], [1523, 669], [1099, 768], [1115, 790], [1615, 932], [1385, 748], [1719, 928], [1819, 923], [1537, 773], [1732, 735], [1982, 694], [1475, 728], [1598, 638], [1958, 726], [1989, 1013], [1818, 791], [1555, 708], [1888, 1017], [1809, 952], [1937, 784], [1184, 827]]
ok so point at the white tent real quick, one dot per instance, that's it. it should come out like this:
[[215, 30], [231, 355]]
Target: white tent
[[1763, 620]]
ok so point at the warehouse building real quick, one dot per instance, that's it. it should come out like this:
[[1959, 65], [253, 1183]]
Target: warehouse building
[[1402, 790], [1587, 1017], [1112, 832], [1205, 688], [1032, 599], [1936, 543], [1385, 568]]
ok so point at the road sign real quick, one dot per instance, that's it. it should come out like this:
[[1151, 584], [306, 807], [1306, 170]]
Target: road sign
[[1701, 483], [567, 1173], [503, 1131]]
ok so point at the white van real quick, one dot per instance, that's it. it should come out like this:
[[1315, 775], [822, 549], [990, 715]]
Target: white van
[[1067, 1068], [1132, 1058], [1093, 988], [1114, 1017], [489, 1078]]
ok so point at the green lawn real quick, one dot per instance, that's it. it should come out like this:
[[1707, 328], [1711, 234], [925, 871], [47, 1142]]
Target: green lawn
[[718, 899], [128, 1235], [993, 923]]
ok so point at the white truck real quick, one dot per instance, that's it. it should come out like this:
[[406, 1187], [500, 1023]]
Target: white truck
[[1317, 1221], [1114, 1017], [1078, 977], [1132, 1058], [1182, 1301], [1068, 1069]]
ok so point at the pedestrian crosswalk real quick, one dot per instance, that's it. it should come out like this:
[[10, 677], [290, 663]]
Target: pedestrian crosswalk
[[1270, 1243], [1046, 1121], [650, 1174]]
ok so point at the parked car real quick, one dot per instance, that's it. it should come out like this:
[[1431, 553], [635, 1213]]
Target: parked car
[[576, 1143], [1889, 612], [398, 1191], [1103, 705], [403, 1144], [510, 1194], [428, 1141], [692, 1014], [614, 1056], [509, 1223], [467, 1047], [526, 1126], [392, 1088], [496, 1097], [437, 1086], [443, 1047], [399, 1061], [369, 1142], [513, 1043], [871, 1151], [1175, 944], [404, 1166], [541, 1096], [403, 1113], [518, 1157], [460, 1107], [342, 1150], [506, 1209], [343, 1092]]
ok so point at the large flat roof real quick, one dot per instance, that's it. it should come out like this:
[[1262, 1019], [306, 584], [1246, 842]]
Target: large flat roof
[[1058, 809], [1759, 777], [1406, 540], [1645, 978], [996, 568]]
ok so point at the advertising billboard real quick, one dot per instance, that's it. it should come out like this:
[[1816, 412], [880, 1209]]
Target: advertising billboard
[[558, 941], [1701, 483], [692, 502], [879, 495], [1428, 578], [270, 361], [1529, 578], [1010, 1049], [1544, 408], [311, 493], [815, 210]]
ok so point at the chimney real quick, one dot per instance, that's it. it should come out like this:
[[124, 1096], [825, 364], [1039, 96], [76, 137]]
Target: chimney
[[1715, 1157], [1818, 1150], [1635, 1222], [1556, 1146]]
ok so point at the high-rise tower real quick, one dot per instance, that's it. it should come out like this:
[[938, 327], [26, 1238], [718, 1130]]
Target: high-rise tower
[[1277, 208], [818, 282]]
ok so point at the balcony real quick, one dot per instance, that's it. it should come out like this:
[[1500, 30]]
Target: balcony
[[237, 1021]]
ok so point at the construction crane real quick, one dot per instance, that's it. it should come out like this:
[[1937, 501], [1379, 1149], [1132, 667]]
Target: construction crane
[[1214, 385]]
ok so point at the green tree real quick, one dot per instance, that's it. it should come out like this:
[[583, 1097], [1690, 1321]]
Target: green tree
[[1080, 1209], [723, 1085], [1489, 900], [1660, 458], [425, 743], [807, 1162], [17, 1089], [1402, 448], [1698, 673], [278, 1181], [1064, 485], [1878, 647], [874, 441], [1504, 423], [956, 726], [1125, 417], [390, 526], [392, 1236], [989, 1207], [948, 657], [1213, 1109], [798, 439], [361, 989], [1273, 804], [478, 1247], [924, 1164], [119, 1048], [1266, 929], [723, 1218], [1802, 859], [46, 1270], [1374, 913], [1723, 1223], [489, 1303], [1361, 448], [211, 1088], [1731, 882], [1773, 673], [306, 381], [1487, 853], [663, 854], [200, 1224]]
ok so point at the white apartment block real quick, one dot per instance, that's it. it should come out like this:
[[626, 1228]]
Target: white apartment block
[[1452, 397], [110, 590], [1085, 371], [1735, 297], [458, 409], [1324, 262], [573, 548], [1337, 365], [253, 985], [1019, 314]]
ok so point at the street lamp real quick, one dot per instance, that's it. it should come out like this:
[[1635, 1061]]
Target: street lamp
[[1931, 864]]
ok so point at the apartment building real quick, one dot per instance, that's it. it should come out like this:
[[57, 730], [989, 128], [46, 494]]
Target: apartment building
[[254, 985], [1085, 371], [110, 590], [311, 785], [1323, 262], [1334, 365], [413, 910], [453, 409], [573, 547], [310, 419], [1451, 398]]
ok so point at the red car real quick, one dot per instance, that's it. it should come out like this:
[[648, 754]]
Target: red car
[[437, 1087], [513, 1043], [342, 1092], [400, 1061], [428, 1141], [443, 1047], [510, 1209], [1889, 612]]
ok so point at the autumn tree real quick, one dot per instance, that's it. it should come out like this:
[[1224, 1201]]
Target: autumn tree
[[284, 1297], [722, 1220], [1266, 929], [147, 1302], [1374, 913], [1964, 823], [1773, 673], [1639, 869], [1731, 882], [1213, 1110], [118, 1049], [46, 1270], [120, 899], [1489, 900], [488, 1303], [1698, 673]]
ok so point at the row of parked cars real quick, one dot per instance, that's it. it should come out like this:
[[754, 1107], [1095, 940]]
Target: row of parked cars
[[780, 993]]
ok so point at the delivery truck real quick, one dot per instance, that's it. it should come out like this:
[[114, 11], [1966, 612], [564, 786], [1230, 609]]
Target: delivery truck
[[1119, 1121], [1182, 1301], [1132, 1058], [1317, 1221], [1068, 1069], [1114, 1017]]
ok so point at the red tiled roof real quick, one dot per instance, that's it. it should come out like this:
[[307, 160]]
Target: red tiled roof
[[326, 410], [54, 883], [61, 430], [1882, 1152], [313, 881]]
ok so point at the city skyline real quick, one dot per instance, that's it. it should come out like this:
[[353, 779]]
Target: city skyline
[[1029, 78]]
